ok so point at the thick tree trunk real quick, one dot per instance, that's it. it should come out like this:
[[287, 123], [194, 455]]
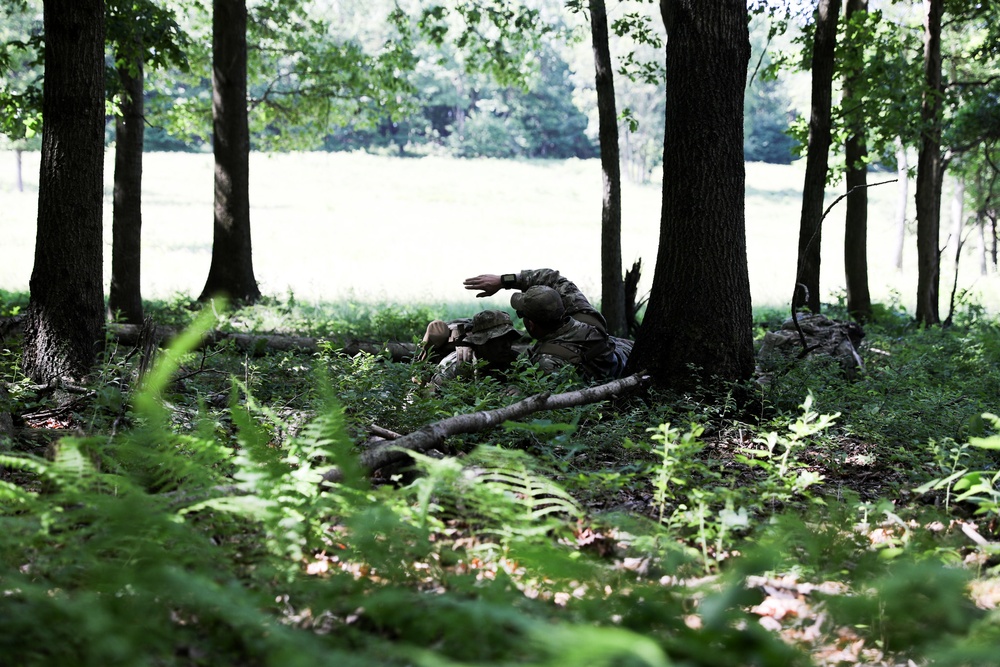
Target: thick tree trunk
[[65, 316], [699, 310], [859, 302], [125, 295], [231, 272], [930, 172], [806, 292], [612, 286], [903, 178]]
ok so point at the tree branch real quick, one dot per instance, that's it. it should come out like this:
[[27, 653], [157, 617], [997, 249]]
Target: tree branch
[[433, 434]]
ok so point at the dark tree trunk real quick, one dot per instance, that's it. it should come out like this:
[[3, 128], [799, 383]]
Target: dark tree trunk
[[125, 295], [993, 241], [817, 158], [231, 272], [930, 172], [859, 301], [612, 286], [65, 317], [699, 310]]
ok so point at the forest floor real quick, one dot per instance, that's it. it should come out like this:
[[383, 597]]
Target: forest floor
[[837, 507]]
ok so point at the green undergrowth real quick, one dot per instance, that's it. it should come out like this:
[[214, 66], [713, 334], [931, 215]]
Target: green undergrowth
[[183, 520]]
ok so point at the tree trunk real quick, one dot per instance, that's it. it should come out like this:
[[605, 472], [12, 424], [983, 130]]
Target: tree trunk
[[20, 172], [231, 272], [903, 178], [981, 245], [859, 301], [612, 287], [65, 315], [125, 295], [993, 241], [957, 220], [699, 309], [817, 158], [929, 172]]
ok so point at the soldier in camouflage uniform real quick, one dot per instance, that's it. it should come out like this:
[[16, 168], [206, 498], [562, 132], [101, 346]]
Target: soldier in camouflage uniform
[[441, 337], [566, 327], [489, 336]]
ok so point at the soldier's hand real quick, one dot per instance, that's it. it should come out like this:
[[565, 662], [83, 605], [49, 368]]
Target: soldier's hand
[[488, 284]]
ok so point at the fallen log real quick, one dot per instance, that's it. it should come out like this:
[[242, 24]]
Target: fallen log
[[257, 344], [254, 344], [432, 435]]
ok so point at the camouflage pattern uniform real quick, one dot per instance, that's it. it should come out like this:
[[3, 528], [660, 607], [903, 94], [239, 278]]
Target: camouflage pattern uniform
[[595, 354], [486, 326], [582, 340], [576, 303]]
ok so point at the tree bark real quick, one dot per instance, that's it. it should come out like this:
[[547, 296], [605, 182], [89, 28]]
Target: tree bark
[[699, 309], [930, 172], [817, 158], [231, 272], [65, 315], [612, 285], [859, 302], [125, 295]]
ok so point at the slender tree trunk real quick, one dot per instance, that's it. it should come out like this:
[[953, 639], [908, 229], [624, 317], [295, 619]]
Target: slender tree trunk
[[65, 318], [125, 295], [20, 172], [981, 245], [817, 158], [612, 286], [929, 172], [859, 302], [993, 244], [903, 180], [699, 309], [231, 272], [957, 219]]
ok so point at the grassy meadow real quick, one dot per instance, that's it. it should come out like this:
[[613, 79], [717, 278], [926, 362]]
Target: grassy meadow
[[366, 228]]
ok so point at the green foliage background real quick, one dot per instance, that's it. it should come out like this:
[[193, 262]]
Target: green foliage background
[[187, 523]]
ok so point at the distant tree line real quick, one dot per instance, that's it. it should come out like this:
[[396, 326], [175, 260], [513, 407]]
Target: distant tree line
[[469, 114]]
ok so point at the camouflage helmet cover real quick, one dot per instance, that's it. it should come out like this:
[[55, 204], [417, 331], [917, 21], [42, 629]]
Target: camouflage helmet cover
[[490, 324], [539, 303]]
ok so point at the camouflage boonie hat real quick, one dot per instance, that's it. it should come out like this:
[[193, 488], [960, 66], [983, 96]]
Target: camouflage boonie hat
[[490, 324], [539, 303]]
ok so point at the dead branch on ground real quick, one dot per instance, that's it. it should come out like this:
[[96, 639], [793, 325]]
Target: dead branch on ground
[[393, 451]]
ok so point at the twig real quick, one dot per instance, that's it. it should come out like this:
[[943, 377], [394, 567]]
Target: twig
[[848, 194], [795, 320], [820, 226]]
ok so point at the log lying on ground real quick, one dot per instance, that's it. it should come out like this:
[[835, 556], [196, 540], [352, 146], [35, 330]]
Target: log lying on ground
[[261, 343], [255, 344], [392, 451]]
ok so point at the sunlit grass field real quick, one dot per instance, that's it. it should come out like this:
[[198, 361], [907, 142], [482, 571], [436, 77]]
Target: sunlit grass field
[[358, 227]]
